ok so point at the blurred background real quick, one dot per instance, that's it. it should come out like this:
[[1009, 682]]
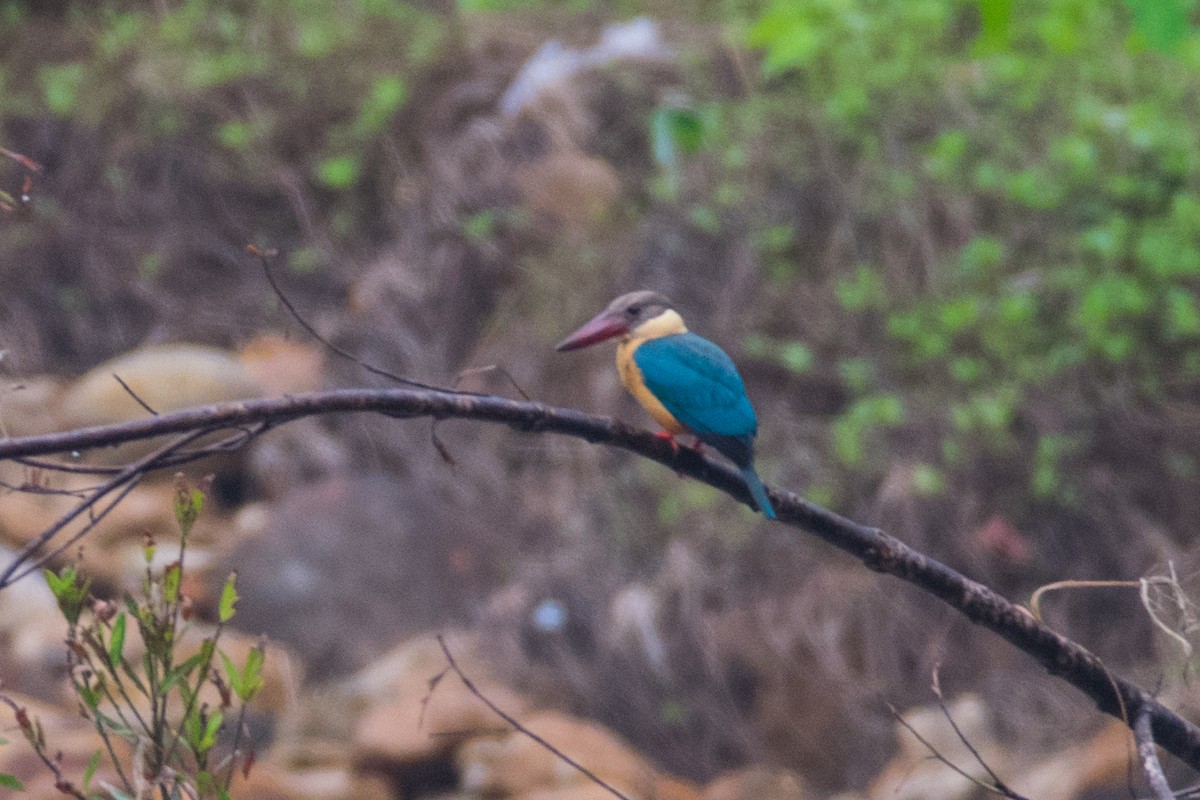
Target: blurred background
[[953, 246]]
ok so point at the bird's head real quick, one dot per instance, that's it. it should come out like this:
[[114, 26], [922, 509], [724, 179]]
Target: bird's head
[[630, 314]]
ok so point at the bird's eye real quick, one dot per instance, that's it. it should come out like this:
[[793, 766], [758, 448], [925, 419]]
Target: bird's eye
[[633, 310]]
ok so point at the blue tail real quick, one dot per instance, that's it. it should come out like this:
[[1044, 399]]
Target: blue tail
[[758, 491]]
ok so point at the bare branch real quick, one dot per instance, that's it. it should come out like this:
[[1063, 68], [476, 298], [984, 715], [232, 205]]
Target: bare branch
[[877, 550]]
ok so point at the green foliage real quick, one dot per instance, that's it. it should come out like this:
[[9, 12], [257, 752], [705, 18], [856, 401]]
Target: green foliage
[[278, 87], [172, 711], [69, 590], [1067, 132], [11, 782], [854, 432], [675, 131]]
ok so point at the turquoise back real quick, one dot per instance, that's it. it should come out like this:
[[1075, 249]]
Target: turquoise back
[[697, 382]]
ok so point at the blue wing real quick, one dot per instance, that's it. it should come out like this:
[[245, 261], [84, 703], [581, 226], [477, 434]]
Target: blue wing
[[697, 382]]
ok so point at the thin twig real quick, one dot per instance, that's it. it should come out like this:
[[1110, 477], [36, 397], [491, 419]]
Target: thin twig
[[134, 395], [39, 748], [524, 731], [264, 258], [1035, 599], [472, 371], [937, 692]]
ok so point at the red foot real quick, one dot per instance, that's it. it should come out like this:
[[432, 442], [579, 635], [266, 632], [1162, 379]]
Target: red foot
[[670, 437]]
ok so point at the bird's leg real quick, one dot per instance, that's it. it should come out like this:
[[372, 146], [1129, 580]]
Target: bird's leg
[[670, 438]]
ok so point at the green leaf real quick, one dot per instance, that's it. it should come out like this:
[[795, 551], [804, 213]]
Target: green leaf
[[1161, 24], [928, 480], [387, 95], [171, 579], [116, 645], [181, 671], [797, 357], [229, 598], [69, 591], [864, 289], [236, 135], [676, 130], [252, 680], [187, 508], [89, 696], [481, 226], [232, 674], [60, 87], [996, 18], [339, 172], [1183, 314], [10, 782], [790, 37], [211, 729], [90, 771], [247, 682], [205, 782]]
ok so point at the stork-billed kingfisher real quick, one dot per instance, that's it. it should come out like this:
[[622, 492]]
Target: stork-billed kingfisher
[[687, 383]]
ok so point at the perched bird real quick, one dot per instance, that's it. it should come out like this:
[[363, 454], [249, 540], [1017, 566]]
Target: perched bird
[[687, 383]]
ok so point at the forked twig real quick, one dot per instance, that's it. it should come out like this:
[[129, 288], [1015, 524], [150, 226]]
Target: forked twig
[[997, 786], [521, 729], [936, 687]]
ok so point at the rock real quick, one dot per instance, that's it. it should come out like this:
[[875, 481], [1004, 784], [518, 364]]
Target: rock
[[30, 406], [515, 764], [1099, 766], [572, 187], [579, 791], [283, 366], [32, 654], [269, 781], [166, 377], [348, 567], [669, 787], [758, 783], [409, 720], [915, 775]]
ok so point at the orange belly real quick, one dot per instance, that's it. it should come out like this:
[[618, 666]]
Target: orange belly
[[631, 378]]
